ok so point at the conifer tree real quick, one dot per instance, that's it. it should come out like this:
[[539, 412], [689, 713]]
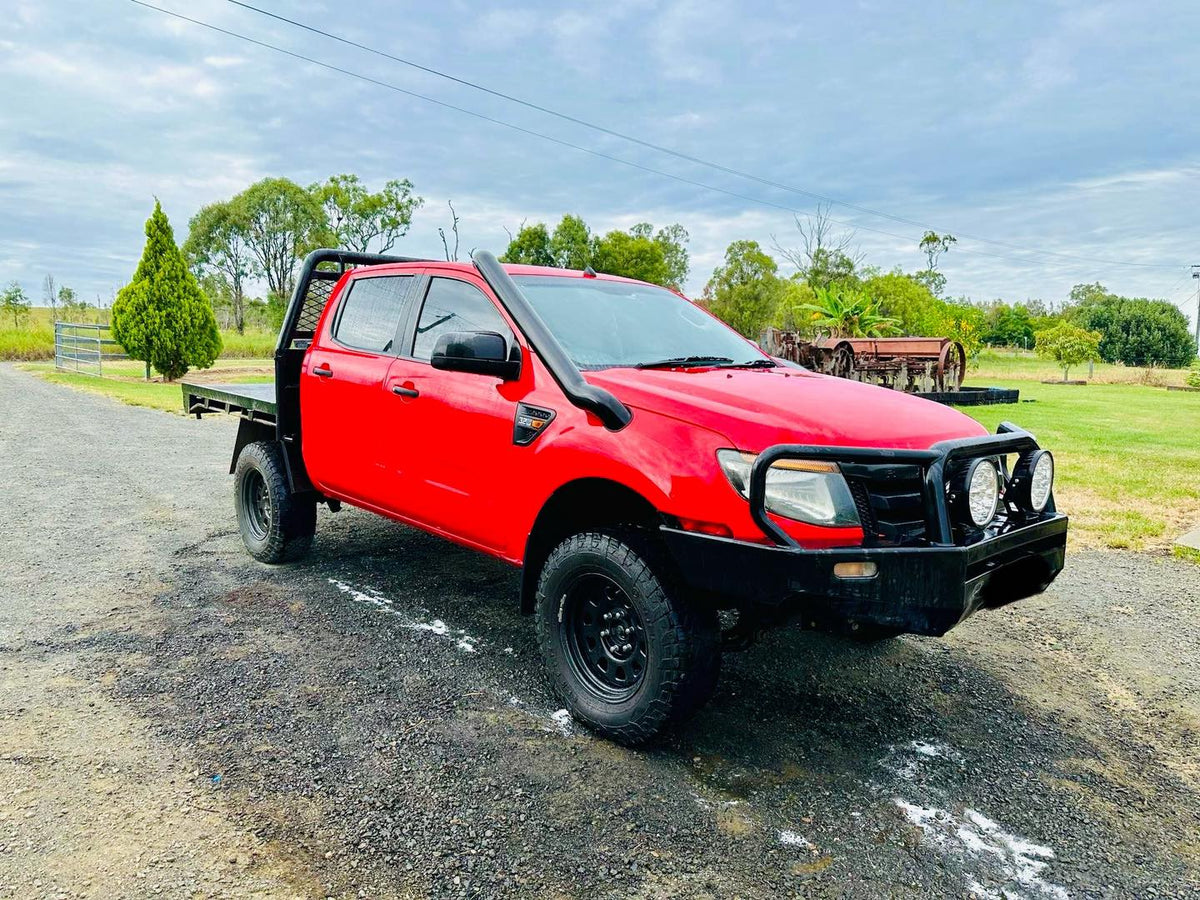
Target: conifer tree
[[162, 316]]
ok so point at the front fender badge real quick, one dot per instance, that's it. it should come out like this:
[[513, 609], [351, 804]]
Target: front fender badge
[[530, 422]]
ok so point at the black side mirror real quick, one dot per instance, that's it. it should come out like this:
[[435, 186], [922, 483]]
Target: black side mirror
[[480, 352]]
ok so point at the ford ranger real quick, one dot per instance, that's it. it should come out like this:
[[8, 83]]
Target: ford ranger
[[648, 469]]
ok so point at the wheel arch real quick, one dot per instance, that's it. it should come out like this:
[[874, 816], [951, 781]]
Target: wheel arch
[[578, 504]]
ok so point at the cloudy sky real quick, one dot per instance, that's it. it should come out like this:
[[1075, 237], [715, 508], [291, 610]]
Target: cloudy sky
[[1059, 141]]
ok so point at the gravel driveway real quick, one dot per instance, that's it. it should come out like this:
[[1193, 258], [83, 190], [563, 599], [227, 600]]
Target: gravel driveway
[[177, 720]]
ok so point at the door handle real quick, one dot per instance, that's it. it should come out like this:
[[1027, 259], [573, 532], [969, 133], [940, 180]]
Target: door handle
[[400, 391], [323, 370]]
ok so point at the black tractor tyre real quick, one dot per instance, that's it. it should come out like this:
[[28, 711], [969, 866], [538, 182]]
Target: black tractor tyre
[[276, 525], [622, 648]]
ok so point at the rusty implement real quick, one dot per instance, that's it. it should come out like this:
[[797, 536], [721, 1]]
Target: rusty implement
[[913, 364]]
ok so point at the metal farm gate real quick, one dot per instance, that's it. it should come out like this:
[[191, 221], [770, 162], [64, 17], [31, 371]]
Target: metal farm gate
[[84, 348]]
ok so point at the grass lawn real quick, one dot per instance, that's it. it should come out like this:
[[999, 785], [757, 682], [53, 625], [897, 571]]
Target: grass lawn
[[995, 366], [126, 381], [34, 338], [1127, 457]]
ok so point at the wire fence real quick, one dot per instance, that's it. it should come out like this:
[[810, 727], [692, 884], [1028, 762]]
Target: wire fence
[[83, 348]]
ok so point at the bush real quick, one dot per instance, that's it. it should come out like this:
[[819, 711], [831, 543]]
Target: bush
[[1068, 345], [162, 317], [1193, 377]]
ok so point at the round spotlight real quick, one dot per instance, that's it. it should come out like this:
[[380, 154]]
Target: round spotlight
[[1033, 480], [983, 491]]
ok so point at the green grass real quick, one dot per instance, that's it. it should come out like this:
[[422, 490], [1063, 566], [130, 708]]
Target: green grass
[[34, 338], [1006, 364], [1127, 457], [134, 390], [30, 342]]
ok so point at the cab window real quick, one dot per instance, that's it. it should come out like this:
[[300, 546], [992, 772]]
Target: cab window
[[453, 305], [370, 314]]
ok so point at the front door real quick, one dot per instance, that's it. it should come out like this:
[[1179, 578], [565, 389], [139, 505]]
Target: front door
[[347, 413], [459, 426]]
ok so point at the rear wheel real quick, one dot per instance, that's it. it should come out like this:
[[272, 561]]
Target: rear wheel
[[621, 650], [276, 525]]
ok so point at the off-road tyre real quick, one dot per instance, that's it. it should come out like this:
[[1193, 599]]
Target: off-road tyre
[[276, 525], [867, 633], [681, 642]]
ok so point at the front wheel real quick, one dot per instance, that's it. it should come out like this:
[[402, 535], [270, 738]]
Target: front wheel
[[621, 650], [276, 525]]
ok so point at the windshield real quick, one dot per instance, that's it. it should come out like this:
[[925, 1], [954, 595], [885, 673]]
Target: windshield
[[602, 324]]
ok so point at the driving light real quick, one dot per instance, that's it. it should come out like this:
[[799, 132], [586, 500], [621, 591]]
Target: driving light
[[807, 490], [1033, 480], [983, 491]]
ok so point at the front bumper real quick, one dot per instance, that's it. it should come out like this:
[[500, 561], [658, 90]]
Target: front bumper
[[922, 589]]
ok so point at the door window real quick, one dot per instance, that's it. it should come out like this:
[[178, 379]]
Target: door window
[[370, 315], [453, 305]]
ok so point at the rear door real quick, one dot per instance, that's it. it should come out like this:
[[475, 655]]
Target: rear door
[[348, 414], [458, 426]]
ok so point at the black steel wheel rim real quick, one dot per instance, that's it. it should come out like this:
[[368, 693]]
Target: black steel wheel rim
[[605, 637], [256, 501]]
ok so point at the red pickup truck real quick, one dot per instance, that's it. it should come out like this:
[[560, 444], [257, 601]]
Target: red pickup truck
[[646, 466]]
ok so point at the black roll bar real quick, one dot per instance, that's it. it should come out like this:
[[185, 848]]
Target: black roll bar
[[933, 462], [612, 412], [344, 259]]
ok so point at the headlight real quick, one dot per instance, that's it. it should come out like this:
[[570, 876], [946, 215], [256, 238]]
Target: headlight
[[807, 490], [1033, 480], [982, 486]]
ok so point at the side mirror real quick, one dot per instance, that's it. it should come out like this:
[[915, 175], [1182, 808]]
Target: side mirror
[[479, 352]]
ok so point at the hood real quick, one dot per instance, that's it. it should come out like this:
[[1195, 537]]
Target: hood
[[755, 408]]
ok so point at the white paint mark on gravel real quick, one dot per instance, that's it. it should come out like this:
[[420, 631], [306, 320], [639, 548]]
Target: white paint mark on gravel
[[909, 759], [794, 839], [974, 837], [372, 597], [705, 803], [562, 721]]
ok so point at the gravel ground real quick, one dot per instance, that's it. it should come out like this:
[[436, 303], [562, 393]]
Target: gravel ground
[[179, 721]]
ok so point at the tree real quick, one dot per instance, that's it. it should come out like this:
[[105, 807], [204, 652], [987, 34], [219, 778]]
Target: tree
[[791, 309], [631, 256], [161, 316], [69, 300], [1136, 331], [14, 302], [451, 255], [218, 244], [1068, 345], [1009, 326], [934, 245], [905, 298], [531, 247], [841, 312], [358, 217], [824, 258], [673, 239], [571, 244], [963, 321], [745, 291], [283, 222], [50, 295]]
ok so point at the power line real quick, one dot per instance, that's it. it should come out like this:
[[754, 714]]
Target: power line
[[559, 141], [611, 132]]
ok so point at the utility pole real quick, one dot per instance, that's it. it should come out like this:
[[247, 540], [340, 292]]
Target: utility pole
[[1196, 275]]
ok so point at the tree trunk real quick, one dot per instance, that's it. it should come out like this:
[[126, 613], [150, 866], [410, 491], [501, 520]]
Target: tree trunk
[[147, 369], [239, 312]]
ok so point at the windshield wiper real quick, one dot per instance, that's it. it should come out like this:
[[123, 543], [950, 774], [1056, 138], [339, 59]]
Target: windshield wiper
[[683, 361], [755, 364]]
